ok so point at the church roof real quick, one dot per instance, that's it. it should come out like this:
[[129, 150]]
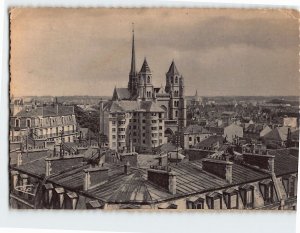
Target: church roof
[[145, 67], [173, 69], [121, 94]]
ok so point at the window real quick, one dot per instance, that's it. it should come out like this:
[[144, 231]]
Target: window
[[113, 123], [159, 115], [154, 121], [160, 127], [148, 79], [214, 201], [231, 198], [190, 139], [176, 79], [195, 203], [154, 128], [267, 191], [289, 185], [28, 122], [114, 129], [114, 137], [176, 113], [17, 123], [247, 196]]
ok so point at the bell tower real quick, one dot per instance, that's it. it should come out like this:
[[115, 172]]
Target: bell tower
[[146, 91]]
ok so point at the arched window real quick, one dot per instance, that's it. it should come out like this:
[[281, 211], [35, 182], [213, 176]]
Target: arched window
[[176, 113], [176, 79], [17, 123], [172, 79], [148, 79], [28, 122]]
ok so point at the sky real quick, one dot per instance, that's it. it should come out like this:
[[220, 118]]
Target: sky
[[219, 52]]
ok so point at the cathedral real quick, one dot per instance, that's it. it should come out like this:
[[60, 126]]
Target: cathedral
[[171, 98], [141, 102]]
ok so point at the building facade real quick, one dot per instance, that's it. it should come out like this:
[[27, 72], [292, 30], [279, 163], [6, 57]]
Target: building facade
[[50, 124]]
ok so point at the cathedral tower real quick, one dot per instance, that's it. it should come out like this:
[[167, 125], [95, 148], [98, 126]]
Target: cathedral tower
[[146, 91], [175, 87]]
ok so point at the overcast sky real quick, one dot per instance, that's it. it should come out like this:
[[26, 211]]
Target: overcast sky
[[219, 52]]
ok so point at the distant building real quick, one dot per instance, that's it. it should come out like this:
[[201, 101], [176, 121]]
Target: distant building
[[277, 137], [46, 123], [290, 122], [194, 134], [233, 132]]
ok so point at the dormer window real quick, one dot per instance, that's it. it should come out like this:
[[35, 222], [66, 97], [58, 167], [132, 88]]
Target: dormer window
[[289, 185], [148, 79], [17, 123], [94, 204], [214, 200], [195, 203], [247, 195], [267, 191], [176, 79], [231, 198], [167, 206]]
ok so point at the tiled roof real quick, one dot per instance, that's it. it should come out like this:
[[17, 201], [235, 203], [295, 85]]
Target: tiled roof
[[254, 128], [132, 105], [121, 94], [46, 111], [195, 129], [150, 106], [208, 142], [285, 163], [277, 134]]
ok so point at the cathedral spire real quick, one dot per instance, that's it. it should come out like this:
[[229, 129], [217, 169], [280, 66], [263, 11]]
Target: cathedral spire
[[133, 70]]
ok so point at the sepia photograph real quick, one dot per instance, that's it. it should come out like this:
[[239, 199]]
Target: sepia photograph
[[153, 109]]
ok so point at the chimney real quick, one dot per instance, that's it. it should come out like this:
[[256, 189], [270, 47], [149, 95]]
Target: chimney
[[126, 168], [19, 158], [261, 161], [220, 168], [163, 178], [163, 160], [14, 177], [94, 177], [55, 165]]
